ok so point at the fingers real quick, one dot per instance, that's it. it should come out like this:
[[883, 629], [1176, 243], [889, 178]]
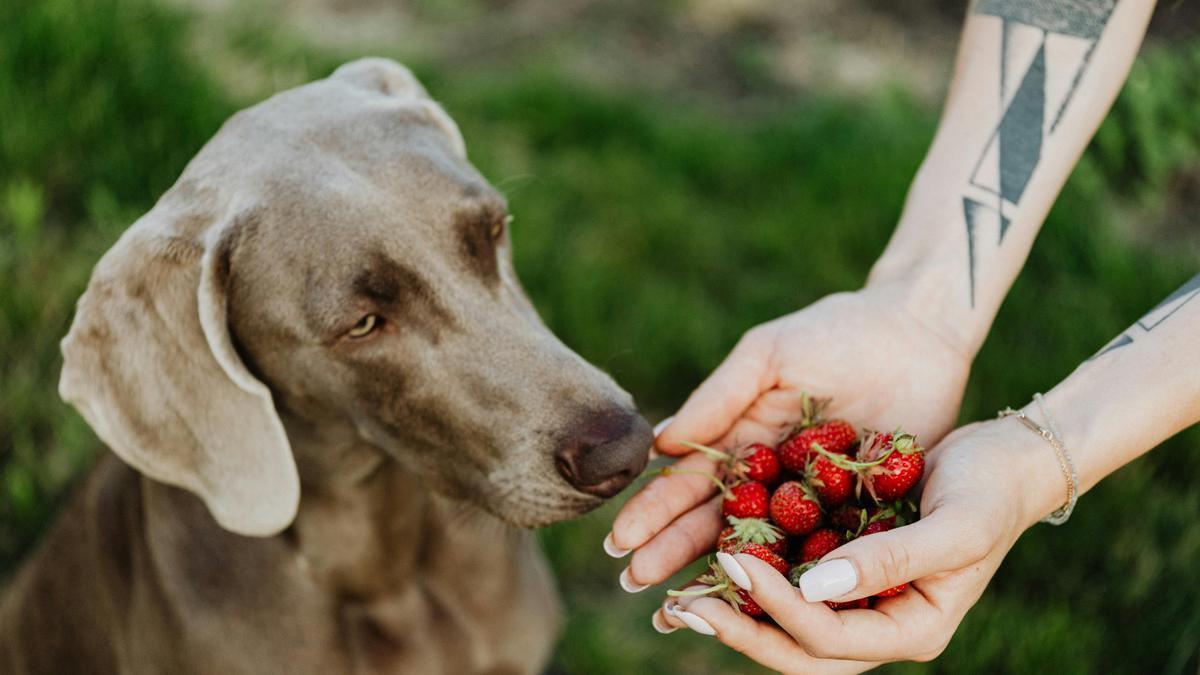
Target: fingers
[[827, 634], [712, 409], [659, 503], [759, 640], [681, 542], [940, 542]]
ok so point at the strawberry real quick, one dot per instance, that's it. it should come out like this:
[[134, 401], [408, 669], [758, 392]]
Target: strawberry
[[893, 591], [756, 462], [849, 517], [875, 527], [746, 500], [818, 544], [833, 484], [759, 462], [888, 465], [766, 555], [743, 531], [861, 603], [718, 583], [897, 474], [834, 435], [747, 605], [794, 508]]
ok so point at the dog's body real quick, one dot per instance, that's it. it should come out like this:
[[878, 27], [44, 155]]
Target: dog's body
[[381, 577], [336, 402]]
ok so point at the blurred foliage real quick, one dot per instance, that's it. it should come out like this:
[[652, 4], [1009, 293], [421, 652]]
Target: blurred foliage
[[650, 237]]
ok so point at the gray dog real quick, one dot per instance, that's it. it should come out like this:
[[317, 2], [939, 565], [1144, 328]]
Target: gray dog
[[335, 407]]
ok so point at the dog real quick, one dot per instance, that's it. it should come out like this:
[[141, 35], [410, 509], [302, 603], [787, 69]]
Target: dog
[[334, 413]]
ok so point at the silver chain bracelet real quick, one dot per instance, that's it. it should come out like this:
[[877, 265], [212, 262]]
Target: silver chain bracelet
[[1051, 435]]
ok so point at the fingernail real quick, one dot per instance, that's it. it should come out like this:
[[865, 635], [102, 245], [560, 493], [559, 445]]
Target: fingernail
[[612, 549], [658, 428], [629, 584], [681, 602], [734, 570], [828, 580], [661, 625], [695, 622]]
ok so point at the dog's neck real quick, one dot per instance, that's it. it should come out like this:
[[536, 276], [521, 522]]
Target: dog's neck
[[368, 526]]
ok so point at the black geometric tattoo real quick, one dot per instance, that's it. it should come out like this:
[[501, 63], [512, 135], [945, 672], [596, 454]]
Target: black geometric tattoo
[[1155, 317], [1012, 152]]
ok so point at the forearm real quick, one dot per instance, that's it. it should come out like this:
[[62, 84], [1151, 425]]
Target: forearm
[[1032, 83], [1139, 390]]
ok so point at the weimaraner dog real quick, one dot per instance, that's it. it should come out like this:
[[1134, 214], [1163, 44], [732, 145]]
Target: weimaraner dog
[[336, 410]]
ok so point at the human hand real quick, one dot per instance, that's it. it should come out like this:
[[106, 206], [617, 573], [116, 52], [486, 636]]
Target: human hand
[[880, 364], [985, 484]]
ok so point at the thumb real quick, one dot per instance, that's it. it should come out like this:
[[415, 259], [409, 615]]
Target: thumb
[[710, 412], [940, 542]]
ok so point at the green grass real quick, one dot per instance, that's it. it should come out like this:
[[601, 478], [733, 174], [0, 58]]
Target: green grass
[[650, 238]]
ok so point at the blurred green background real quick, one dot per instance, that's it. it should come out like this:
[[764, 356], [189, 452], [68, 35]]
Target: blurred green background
[[680, 171]]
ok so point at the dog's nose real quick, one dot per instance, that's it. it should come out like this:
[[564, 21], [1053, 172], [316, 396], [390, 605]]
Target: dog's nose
[[605, 452]]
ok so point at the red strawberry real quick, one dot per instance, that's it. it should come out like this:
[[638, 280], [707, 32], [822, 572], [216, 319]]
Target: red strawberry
[[747, 605], [889, 466], [849, 517], [897, 474], [760, 463], [794, 508], [835, 436], [893, 591], [746, 500], [818, 544], [875, 527], [861, 603], [833, 484], [743, 531], [766, 555]]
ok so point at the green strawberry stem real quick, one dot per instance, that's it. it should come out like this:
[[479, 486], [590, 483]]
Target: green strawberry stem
[[847, 463], [711, 453], [670, 471], [707, 590]]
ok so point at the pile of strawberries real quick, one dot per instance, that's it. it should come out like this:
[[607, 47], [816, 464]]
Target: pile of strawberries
[[821, 486]]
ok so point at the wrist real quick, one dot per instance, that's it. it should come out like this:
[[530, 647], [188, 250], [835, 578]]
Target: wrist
[[1041, 487], [925, 289]]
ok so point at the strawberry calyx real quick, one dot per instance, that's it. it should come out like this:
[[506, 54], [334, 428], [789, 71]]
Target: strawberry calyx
[[718, 584], [796, 572], [754, 531]]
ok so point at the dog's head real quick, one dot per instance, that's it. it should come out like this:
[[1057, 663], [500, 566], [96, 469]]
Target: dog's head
[[329, 273]]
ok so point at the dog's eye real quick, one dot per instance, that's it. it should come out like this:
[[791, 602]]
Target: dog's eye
[[365, 326], [498, 226]]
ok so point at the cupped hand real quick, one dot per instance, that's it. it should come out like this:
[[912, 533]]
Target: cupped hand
[[985, 484], [881, 364]]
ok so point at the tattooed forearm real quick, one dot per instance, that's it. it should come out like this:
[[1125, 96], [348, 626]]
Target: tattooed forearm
[[1155, 317], [1045, 47]]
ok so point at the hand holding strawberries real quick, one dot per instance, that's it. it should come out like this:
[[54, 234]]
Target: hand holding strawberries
[[984, 485], [881, 365]]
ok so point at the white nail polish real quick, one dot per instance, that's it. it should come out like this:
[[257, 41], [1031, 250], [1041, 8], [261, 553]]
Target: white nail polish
[[612, 550], [629, 584], [661, 625], [658, 428], [734, 570], [694, 622], [831, 579]]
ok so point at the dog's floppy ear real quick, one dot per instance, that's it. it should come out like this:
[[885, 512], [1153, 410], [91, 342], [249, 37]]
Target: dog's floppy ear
[[386, 77], [151, 365]]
